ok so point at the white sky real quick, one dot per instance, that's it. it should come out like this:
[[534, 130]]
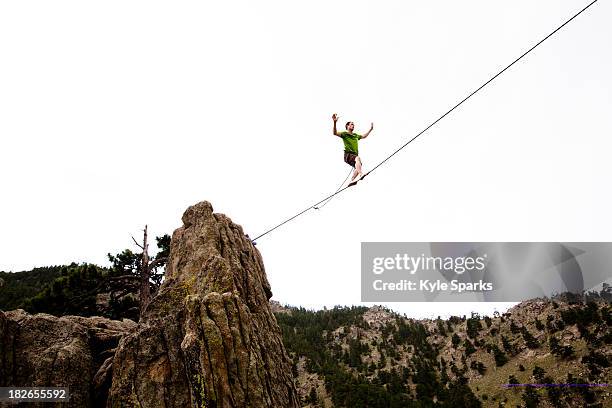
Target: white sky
[[119, 113]]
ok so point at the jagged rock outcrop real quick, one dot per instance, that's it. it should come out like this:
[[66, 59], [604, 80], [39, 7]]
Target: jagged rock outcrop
[[276, 307], [208, 338], [69, 351]]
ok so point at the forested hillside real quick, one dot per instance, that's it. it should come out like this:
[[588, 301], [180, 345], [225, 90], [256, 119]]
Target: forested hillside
[[84, 289], [15, 287], [372, 357]]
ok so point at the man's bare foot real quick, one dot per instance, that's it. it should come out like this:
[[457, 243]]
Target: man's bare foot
[[356, 179]]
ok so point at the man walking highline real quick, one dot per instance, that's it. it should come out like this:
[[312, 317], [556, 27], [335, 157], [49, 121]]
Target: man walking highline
[[351, 147]]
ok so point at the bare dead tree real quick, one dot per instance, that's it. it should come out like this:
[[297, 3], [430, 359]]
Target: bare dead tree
[[145, 272], [148, 270]]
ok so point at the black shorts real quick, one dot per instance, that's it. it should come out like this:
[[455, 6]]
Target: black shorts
[[350, 158]]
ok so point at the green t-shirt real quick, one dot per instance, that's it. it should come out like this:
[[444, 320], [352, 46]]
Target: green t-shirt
[[350, 142]]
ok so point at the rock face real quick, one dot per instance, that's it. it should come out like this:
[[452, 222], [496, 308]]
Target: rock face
[[70, 351], [208, 338]]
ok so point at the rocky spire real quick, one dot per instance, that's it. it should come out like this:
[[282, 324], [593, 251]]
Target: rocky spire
[[208, 338]]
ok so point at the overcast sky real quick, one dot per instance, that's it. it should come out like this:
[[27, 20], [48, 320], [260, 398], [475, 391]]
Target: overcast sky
[[118, 114]]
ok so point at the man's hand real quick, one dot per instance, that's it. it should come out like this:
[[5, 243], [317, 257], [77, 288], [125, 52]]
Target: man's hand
[[366, 134], [335, 119]]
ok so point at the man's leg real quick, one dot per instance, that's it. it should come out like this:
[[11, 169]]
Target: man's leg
[[357, 173], [348, 160], [358, 165]]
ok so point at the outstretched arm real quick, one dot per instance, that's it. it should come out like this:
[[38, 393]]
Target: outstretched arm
[[366, 134], [335, 119]]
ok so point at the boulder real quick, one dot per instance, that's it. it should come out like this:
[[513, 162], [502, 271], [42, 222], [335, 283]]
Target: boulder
[[43, 350]]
